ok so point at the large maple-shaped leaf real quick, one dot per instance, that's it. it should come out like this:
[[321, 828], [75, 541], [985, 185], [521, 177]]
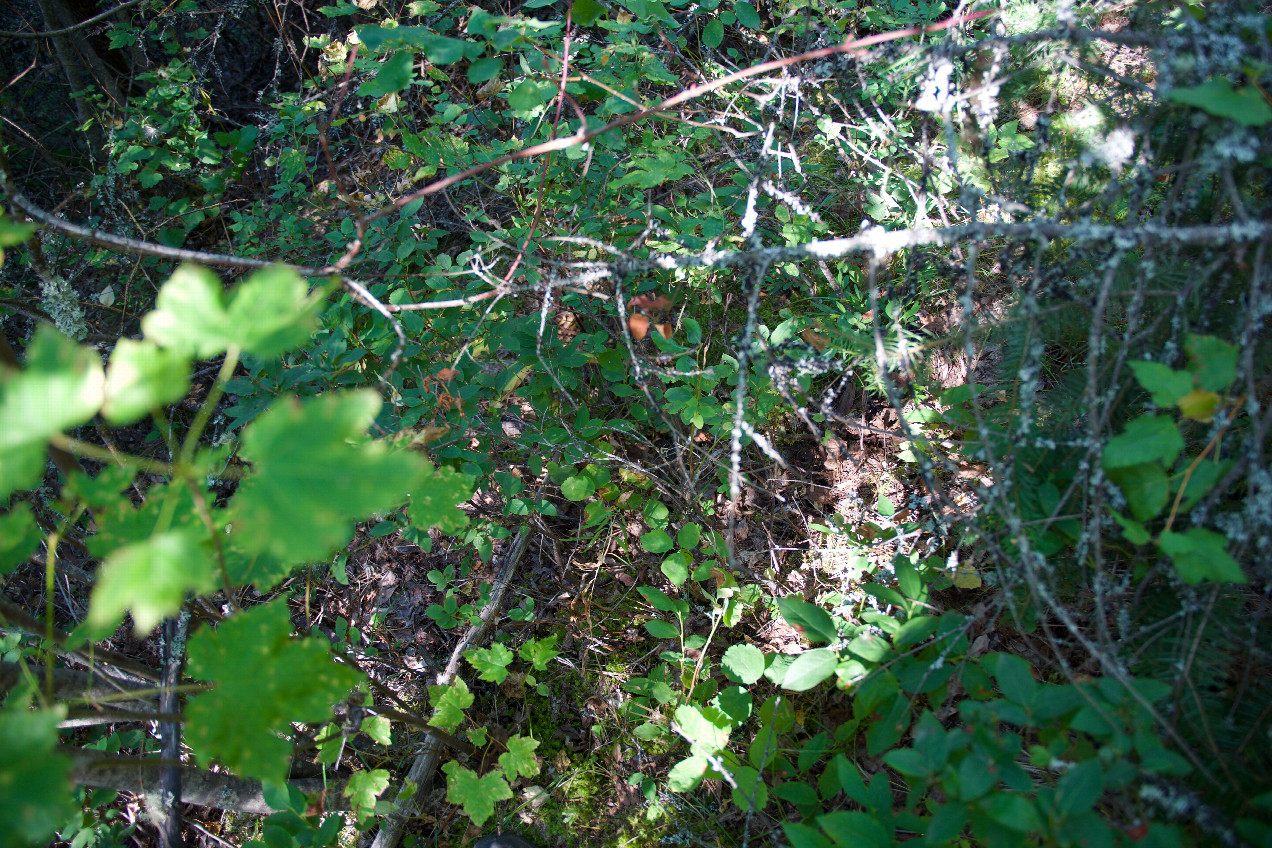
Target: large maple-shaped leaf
[[434, 500], [143, 376], [60, 386], [272, 311], [364, 787], [314, 474], [449, 703], [519, 758], [151, 578], [35, 787], [264, 680], [477, 795]]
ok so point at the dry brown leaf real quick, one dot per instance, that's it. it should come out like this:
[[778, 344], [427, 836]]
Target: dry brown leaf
[[428, 434], [639, 325], [447, 374], [650, 302], [817, 340], [665, 329]]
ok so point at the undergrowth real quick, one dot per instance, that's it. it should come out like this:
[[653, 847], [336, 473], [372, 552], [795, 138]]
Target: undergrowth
[[674, 422]]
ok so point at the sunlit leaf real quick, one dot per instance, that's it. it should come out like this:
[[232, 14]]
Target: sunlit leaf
[[1247, 106], [810, 668], [449, 703], [813, 621], [270, 312], [151, 578], [61, 385], [477, 795], [142, 377], [363, 788], [314, 473], [743, 663], [519, 759]]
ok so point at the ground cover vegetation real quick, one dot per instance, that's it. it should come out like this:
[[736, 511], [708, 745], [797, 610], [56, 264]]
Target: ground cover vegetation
[[640, 422]]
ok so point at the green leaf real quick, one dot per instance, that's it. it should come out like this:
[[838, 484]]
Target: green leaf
[[810, 668], [435, 500], [363, 788], [484, 70], [539, 652], [264, 680], [854, 829], [1205, 475], [394, 75], [1166, 384], [713, 34], [13, 233], [1148, 438], [314, 475], [61, 380], [578, 488], [143, 377], [735, 702], [705, 728], [1246, 106], [1146, 488], [269, 313], [1212, 361], [1200, 555], [803, 836], [528, 95], [660, 629], [751, 792], [35, 785], [491, 663], [946, 824], [689, 536], [379, 729], [1014, 675], [747, 16], [477, 795], [519, 759], [20, 536], [811, 620], [743, 663], [449, 703], [439, 49], [908, 761], [151, 578], [1079, 788], [676, 568], [659, 600], [685, 775], [273, 312], [586, 12], [801, 795], [1013, 812], [1134, 532], [656, 541]]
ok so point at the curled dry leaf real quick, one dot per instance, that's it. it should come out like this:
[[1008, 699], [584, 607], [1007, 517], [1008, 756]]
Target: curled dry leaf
[[639, 325], [665, 329], [817, 340], [447, 374], [650, 302], [428, 434]]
